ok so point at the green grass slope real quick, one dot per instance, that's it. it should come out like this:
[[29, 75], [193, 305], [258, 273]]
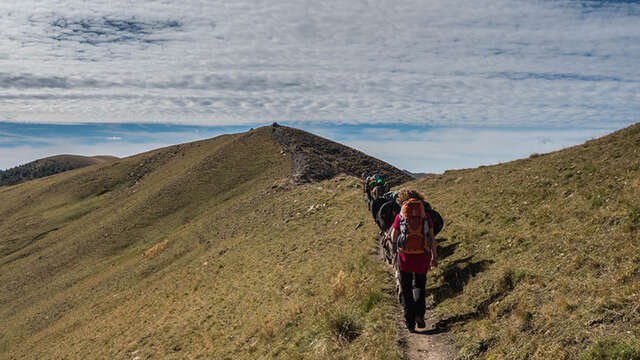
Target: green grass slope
[[201, 250], [49, 166], [542, 255]]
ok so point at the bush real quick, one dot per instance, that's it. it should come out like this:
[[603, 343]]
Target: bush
[[612, 349]]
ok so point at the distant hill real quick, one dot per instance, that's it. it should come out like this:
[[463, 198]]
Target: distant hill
[[48, 166], [415, 175]]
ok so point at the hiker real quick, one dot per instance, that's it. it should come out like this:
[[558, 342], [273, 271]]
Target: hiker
[[379, 186], [366, 179], [412, 234], [374, 188]]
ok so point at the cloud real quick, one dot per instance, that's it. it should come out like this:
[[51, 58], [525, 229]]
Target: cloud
[[501, 63], [108, 29]]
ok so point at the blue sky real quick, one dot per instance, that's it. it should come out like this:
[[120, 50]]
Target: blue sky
[[473, 82]]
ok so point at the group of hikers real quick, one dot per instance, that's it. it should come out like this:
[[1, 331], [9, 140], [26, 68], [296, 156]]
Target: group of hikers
[[408, 226]]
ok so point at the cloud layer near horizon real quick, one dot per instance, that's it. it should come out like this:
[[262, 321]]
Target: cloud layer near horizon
[[439, 63]]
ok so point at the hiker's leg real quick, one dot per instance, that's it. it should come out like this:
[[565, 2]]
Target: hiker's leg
[[419, 295], [408, 304]]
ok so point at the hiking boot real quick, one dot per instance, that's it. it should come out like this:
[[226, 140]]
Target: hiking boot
[[411, 327], [420, 322]]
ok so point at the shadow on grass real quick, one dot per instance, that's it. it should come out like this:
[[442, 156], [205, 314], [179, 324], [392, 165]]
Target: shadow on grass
[[480, 312], [447, 250], [503, 287], [456, 275]]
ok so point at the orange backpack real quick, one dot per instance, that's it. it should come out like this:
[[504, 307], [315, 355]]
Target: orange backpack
[[412, 239]]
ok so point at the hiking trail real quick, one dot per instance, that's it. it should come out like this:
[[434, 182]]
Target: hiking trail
[[430, 343]]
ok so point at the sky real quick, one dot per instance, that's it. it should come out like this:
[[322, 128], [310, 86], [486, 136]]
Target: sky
[[425, 85]]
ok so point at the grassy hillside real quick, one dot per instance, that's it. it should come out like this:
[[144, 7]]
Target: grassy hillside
[[543, 254], [49, 166], [202, 250], [211, 250]]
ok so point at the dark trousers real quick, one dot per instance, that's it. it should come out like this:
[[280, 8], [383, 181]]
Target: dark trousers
[[412, 287]]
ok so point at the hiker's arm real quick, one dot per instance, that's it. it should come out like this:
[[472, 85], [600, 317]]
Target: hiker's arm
[[394, 235], [434, 249]]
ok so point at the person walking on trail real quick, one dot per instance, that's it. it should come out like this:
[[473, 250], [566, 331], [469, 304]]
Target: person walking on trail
[[412, 234], [374, 188]]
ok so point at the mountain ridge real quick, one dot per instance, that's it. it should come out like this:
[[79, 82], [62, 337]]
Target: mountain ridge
[[315, 158]]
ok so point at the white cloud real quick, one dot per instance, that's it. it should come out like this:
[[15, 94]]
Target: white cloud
[[452, 63]]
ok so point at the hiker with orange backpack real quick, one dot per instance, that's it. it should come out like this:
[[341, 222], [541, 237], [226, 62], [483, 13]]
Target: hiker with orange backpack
[[412, 234]]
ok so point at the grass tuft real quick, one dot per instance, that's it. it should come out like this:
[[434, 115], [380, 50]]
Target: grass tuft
[[339, 286], [343, 325], [370, 300]]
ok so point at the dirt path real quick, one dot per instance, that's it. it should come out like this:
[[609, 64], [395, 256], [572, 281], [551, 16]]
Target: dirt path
[[429, 343]]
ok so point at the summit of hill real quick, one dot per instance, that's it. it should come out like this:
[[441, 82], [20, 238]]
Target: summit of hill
[[315, 158]]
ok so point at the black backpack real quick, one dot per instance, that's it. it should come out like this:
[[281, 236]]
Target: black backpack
[[387, 214], [436, 219], [375, 207]]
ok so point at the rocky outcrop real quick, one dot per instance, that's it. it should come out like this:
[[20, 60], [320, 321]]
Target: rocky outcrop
[[315, 158]]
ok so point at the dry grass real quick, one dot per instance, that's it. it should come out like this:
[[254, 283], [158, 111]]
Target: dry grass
[[542, 253], [240, 267], [155, 249]]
